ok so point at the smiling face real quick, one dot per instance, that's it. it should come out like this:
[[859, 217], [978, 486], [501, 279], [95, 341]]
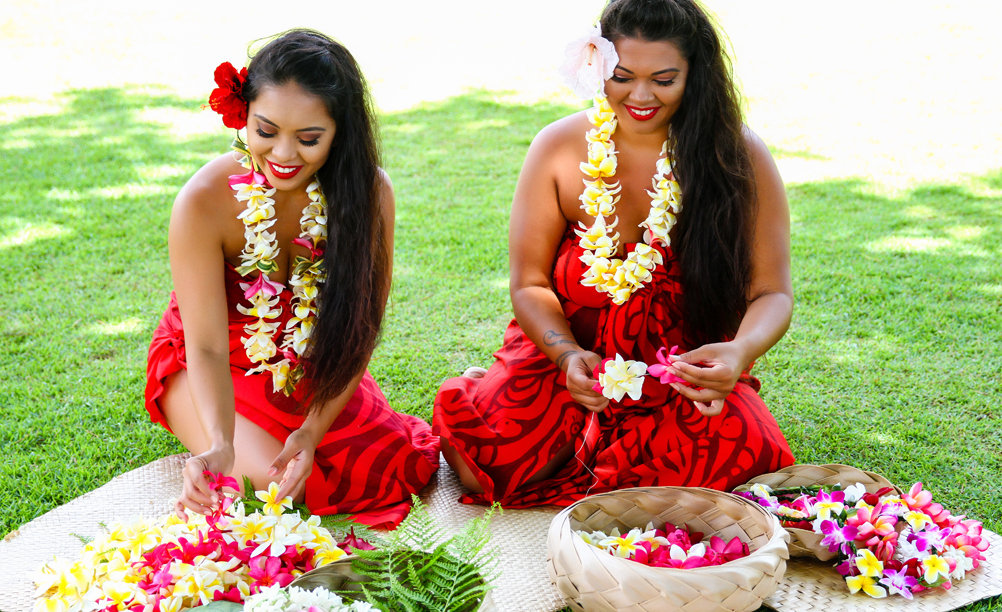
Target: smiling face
[[646, 88], [289, 133]]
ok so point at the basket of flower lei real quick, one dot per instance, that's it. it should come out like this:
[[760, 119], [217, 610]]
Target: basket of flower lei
[[790, 482], [885, 542], [665, 548]]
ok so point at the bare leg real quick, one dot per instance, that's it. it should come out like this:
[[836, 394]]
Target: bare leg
[[254, 448], [474, 372], [455, 461]]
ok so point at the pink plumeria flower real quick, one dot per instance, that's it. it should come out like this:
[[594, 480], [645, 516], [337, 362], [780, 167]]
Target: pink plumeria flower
[[262, 285], [660, 369]]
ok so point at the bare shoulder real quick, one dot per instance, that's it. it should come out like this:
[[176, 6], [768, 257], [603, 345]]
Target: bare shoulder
[[384, 191], [561, 136], [760, 155], [202, 195]]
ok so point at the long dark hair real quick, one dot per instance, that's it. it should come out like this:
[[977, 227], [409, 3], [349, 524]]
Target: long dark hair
[[352, 300], [712, 163]]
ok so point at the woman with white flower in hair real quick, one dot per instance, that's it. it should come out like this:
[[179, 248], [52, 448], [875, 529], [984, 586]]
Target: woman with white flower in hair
[[281, 257], [652, 224]]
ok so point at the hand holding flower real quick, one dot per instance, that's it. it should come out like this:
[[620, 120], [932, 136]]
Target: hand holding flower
[[581, 380], [198, 494], [712, 370]]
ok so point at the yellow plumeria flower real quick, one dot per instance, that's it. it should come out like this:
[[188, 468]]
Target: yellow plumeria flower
[[254, 528], [868, 584], [325, 556], [917, 519], [53, 604], [869, 564], [825, 509], [272, 505], [935, 566], [623, 546]]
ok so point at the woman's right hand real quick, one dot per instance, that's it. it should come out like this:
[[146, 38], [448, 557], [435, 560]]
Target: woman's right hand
[[196, 495], [581, 380]]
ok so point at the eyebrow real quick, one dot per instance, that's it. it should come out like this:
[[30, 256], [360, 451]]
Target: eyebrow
[[309, 129], [666, 70]]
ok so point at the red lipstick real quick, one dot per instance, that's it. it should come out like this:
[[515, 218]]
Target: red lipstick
[[283, 172], [642, 114]]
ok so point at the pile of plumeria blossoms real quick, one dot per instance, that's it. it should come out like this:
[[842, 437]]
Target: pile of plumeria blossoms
[[886, 543], [169, 565], [618, 377], [669, 547], [294, 599]]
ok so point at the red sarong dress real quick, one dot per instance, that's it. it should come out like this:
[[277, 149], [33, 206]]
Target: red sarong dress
[[370, 461], [511, 422]]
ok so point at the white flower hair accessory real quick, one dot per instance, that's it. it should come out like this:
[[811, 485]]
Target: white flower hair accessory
[[588, 62]]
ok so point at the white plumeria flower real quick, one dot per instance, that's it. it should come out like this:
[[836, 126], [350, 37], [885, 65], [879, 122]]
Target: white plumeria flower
[[854, 493], [589, 61], [623, 377]]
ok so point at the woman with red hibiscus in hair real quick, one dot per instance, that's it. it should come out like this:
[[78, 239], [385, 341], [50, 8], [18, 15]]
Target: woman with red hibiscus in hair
[[652, 221], [281, 257]]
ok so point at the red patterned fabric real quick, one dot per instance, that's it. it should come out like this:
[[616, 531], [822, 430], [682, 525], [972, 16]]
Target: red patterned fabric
[[370, 461], [511, 422]]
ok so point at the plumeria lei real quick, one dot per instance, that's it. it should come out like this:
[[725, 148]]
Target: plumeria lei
[[261, 249], [169, 565], [259, 254], [618, 377], [589, 62], [669, 547], [886, 543], [294, 599]]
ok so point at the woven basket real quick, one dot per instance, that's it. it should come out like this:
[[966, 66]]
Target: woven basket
[[339, 577], [804, 542], [592, 580]]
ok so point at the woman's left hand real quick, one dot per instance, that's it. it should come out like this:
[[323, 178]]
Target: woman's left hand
[[719, 367], [296, 459]]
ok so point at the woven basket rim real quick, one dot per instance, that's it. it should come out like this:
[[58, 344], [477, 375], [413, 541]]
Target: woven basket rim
[[778, 532]]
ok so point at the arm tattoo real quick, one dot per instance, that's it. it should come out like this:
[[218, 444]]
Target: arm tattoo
[[552, 338], [562, 357]]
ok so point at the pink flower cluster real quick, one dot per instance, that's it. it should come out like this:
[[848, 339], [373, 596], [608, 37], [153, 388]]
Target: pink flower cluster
[[886, 543], [669, 547]]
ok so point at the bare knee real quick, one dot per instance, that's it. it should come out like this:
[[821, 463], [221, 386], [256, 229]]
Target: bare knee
[[456, 462]]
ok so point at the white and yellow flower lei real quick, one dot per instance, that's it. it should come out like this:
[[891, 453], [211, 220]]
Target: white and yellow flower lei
[[259, 254], [617, 278]]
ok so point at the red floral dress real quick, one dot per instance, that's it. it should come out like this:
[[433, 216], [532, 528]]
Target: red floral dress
[[370, 461], [511, 422]]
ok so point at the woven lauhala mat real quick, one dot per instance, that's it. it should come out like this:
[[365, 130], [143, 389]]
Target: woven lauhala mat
[[519, 534]]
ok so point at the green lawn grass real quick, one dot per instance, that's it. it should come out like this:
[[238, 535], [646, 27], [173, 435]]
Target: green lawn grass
[[892, 362]]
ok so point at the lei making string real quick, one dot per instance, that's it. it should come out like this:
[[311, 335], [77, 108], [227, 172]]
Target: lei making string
[[261, 249]]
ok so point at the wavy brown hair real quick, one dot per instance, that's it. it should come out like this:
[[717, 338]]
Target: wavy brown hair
[[712, 163], [353, 298]]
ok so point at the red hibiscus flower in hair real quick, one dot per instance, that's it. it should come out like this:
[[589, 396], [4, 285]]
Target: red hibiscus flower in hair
[[228, 98]]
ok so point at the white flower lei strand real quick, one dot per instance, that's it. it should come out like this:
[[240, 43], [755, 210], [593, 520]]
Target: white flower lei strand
[[608, 274], [259, 254]]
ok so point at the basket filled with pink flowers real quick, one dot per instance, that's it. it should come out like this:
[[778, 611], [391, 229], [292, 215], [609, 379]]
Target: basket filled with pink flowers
[[665, 548]]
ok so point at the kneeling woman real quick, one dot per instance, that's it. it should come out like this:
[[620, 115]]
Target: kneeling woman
[[600, 268], [281, 259]]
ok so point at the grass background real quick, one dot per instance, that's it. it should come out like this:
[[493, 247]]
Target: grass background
[[893, 359]]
